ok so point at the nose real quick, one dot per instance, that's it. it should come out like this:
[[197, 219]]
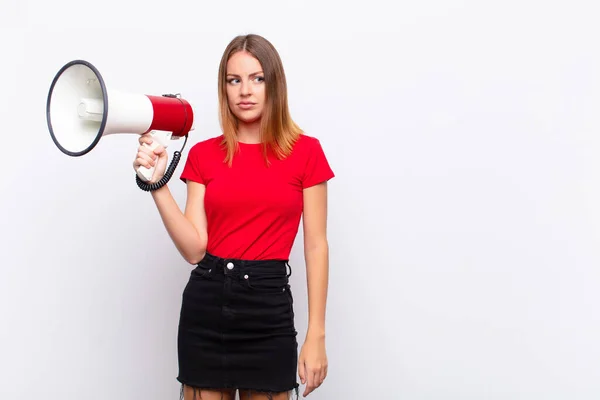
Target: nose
[[245, 88]]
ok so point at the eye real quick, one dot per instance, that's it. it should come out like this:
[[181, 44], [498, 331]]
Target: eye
[[233, 81], [259, 79]]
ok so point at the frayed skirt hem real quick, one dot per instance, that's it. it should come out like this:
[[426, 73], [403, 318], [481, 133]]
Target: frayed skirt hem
[[241, 389]]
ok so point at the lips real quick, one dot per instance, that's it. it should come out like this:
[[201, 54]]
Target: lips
[[245, 105]]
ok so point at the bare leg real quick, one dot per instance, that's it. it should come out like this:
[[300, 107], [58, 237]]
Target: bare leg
[[191, 393], [252, 395]]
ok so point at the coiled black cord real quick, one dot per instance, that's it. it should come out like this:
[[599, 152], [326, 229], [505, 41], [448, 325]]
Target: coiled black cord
[[149, 187]]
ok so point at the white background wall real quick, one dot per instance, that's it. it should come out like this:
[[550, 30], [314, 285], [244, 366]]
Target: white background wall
[[464, 218]]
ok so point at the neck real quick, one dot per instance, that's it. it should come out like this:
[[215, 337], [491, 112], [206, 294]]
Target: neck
[[249, 132]]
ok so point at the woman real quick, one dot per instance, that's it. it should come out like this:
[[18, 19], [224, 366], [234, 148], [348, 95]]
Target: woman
[[246, 192]]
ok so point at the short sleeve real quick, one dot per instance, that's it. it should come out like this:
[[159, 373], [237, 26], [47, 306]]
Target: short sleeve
[[192, 170], [317, 168]]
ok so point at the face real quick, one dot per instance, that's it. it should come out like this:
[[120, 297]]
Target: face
[[245, 87]]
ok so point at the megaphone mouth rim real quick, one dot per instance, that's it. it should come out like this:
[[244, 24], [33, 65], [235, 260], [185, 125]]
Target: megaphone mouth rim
[[104, 100]]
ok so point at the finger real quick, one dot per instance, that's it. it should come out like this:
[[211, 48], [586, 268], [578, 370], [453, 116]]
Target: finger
[[310, 383], [148, 151], [147, 157], [159, 150], [302, 372], [319, 376], [146, 138], [324, 373], [306, 381], [307, 390], [144, 162]]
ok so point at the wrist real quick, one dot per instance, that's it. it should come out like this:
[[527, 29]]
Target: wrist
[[315, 333], [160, 192]]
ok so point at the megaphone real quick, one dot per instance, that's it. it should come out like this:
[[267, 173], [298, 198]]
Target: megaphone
[[81, 109]]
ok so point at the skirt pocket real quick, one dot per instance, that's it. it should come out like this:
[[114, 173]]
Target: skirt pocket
[[201, 272], [267, 283]]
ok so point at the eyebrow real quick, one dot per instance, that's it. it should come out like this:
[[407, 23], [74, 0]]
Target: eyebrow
[[255, 73]]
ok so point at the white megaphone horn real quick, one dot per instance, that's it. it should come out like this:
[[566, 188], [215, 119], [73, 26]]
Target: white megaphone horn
[[80, 110]]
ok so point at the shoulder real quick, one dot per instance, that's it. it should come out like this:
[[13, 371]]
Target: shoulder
[[311, 158], [200, 160], [306, 145], [208, 146], [307, 141], [215, 141]]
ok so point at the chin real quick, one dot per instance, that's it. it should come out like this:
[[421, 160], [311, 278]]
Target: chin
[[248, 119]]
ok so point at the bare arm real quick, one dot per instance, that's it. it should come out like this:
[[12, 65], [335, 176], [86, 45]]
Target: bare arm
[[312, 363], [316, 253], [186, 229]]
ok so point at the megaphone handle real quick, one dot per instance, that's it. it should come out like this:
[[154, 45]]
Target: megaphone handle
[[158, 138]]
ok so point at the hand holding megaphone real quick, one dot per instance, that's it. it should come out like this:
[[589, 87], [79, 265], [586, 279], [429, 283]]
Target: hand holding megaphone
[[151, 159], [81, 110]]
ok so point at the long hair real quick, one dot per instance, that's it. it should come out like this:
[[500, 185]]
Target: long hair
[[277, 129]]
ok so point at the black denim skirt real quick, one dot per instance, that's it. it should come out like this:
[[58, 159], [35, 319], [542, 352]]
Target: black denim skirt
[[236, 327]]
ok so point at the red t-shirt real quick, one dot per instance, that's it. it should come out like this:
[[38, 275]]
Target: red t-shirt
[[253, 210]]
